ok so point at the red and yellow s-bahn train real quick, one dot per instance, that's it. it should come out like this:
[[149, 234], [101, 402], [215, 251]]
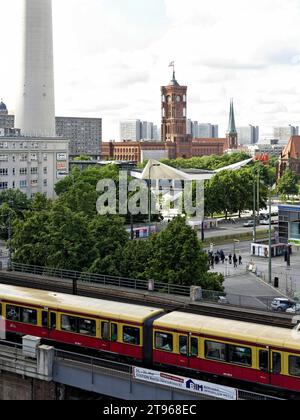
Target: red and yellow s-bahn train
[[242, 351]]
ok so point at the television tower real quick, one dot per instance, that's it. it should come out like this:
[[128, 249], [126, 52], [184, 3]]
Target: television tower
[[35, 111]]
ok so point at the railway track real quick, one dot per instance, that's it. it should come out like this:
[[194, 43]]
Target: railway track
[[167, 302]]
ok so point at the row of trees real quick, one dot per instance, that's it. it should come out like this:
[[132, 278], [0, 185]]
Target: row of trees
[[51, 234]]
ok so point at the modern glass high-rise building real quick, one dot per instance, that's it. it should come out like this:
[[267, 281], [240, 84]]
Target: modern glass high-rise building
[[248, 135]]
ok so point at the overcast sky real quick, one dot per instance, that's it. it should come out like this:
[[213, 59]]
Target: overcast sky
[[112, 56]]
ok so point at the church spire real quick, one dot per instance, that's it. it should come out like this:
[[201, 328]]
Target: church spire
[[231, 125], [232, 135]]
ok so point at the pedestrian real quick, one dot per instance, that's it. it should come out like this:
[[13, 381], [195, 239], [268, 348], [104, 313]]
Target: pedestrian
[[212, 262], [235, 260], [230, 258], [240, 260]]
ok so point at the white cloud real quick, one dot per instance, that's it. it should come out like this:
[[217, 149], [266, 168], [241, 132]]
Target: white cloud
[[111, 58]]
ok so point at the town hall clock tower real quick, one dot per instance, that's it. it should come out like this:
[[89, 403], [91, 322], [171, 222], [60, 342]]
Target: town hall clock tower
[[174, 118]]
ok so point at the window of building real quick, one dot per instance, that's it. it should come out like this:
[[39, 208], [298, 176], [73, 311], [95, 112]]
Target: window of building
[[294, 366], [3, 185], [45, 157], [23, 157], [214, 350], [34, 171], [3, 171], [164, 341], [45, 182], [3, 158], [34, 183], [23, 184], [23, 171], [45, 170], [33, 157], [131, 335]]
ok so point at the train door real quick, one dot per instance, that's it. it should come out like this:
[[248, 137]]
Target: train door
[[45, 323], [264, 361], [189, 351], [52, 319], [276, 368], [183, 341]]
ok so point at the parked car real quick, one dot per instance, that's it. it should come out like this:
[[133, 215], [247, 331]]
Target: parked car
[[265, 222], [281, 304], [249, 224], [295, 309]]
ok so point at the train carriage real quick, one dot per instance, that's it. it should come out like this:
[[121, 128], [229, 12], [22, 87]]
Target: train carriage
[[239, 350], [107, 326]]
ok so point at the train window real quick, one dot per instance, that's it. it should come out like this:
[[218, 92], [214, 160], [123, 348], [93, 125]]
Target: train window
[[29, 316], [264, 360], [114, 333], [131, 335], [53, 320], [13, 313], [164, 341], [87, 327], [105, 330], [276, 363], [44, 319], [240, 355], [69, 323], [214, 350], [194, 347], [183, 345], [294, 366], [18, 314]]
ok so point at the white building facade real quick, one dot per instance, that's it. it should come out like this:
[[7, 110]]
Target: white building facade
[[130, 130], [32, 165]]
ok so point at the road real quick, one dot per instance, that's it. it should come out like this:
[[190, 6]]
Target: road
[[231, 229]]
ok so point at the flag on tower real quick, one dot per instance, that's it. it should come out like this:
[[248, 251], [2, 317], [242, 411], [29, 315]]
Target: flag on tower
[[172, 64]]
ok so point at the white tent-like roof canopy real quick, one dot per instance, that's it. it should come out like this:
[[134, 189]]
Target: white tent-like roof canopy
[[156, 170]]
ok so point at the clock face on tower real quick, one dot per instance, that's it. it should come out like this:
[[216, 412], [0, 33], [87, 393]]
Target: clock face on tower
[[178, 98], [169, 99]]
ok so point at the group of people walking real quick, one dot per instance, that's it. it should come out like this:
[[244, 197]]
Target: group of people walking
[[220, 257]]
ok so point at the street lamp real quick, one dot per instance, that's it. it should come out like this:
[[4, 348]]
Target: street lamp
[[270, 236], [254, 210], [270, 233], [149, 194]]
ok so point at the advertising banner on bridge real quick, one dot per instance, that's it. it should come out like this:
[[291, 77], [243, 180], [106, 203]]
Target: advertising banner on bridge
[[185, 384]]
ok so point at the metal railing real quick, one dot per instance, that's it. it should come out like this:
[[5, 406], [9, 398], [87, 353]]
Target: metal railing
[[104, 280], [207, 296]]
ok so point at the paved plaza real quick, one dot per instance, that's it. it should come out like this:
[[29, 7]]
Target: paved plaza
[[239, 280]]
